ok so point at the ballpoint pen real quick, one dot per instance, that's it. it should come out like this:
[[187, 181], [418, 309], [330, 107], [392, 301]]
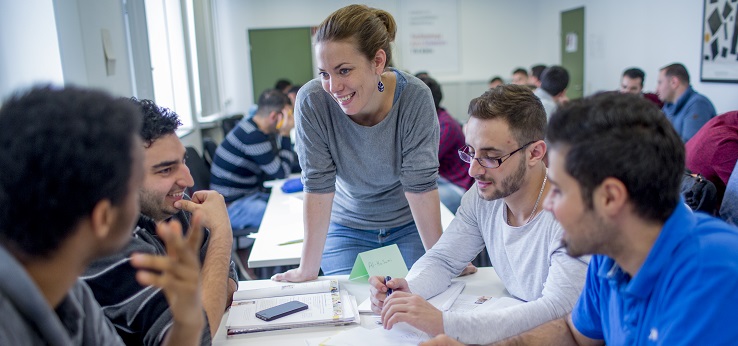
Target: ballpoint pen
[[296, 241]]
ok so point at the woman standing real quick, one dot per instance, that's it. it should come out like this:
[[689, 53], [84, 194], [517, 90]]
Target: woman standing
[[367, 141]]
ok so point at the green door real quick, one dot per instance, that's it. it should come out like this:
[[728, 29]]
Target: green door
[[572, 50], [278, 54]]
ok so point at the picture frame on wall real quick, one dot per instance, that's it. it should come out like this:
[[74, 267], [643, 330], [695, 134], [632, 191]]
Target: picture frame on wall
[[719, 60]]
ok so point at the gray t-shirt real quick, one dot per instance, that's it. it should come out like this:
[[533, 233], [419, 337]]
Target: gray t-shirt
[[547, 100], [368, 167], [529, 260], [27, 319]]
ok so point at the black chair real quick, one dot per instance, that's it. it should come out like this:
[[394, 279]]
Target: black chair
[[208, 150], [229, 123], [200, 171]]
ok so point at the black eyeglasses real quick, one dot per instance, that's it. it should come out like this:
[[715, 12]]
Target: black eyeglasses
[[488, 162]]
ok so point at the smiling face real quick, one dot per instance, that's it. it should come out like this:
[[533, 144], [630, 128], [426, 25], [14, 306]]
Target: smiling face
[[349, 77], [584, 231], [492, 139], [166, 177]]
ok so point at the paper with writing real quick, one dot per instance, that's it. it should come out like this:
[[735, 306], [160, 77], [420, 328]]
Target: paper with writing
[[383, 261]]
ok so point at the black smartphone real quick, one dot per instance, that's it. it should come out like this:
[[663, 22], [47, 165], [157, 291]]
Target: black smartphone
[[281, 310]]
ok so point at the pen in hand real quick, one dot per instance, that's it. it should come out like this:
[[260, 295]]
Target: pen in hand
[[387, 279]]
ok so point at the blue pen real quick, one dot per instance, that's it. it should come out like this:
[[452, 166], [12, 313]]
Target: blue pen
[[387, 279]]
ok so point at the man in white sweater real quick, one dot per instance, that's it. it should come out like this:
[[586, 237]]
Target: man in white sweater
[[504, 213]]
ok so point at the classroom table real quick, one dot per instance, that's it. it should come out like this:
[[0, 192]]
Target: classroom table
[[279, 240], [484, 282]]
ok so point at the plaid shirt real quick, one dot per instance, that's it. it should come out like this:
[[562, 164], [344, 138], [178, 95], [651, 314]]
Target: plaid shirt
[[452, 139]]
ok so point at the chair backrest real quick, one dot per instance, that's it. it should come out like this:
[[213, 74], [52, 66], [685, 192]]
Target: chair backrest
[[229, 123], [199, 170], [208, 150]]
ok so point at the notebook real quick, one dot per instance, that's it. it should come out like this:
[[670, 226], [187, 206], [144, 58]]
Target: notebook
[[327, 305]]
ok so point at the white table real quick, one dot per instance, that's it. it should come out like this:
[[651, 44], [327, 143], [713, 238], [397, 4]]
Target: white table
[[484, 282], [283, 223]]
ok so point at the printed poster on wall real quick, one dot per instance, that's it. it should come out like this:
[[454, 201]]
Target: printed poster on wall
[[430, 36], [720, 41]]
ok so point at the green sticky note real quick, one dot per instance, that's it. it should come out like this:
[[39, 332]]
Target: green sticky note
[[383, 262]]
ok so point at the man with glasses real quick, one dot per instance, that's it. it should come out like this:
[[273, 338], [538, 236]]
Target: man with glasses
[[503, 212], [247, 157]]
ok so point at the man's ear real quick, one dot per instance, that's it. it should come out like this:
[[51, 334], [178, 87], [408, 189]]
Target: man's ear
[[611, 197], [101, 218], [273, 117], [380, 61], [537, 151], [674, 81]]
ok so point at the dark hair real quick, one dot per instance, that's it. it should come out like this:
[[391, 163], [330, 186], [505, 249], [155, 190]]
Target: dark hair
[[626, 137], [157, 121], [272, 100], [282, 84], [294, 89], [537, 70], [635, 73], [496, 78], [676, 70], [515, 104], [422, 74], [554, 80], [63, 151], [371, 29], [435, 89], [521, 70]]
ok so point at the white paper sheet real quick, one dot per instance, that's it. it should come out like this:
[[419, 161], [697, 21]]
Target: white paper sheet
[[443, 301]]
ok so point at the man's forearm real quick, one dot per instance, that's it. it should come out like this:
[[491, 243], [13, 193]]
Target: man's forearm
[[556, 332], [215, 280]]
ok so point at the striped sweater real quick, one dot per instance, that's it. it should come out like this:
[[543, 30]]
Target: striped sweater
[[246, 158]]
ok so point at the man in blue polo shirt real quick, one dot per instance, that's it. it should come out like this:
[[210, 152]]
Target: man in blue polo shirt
[[686, 109], [660, 274]]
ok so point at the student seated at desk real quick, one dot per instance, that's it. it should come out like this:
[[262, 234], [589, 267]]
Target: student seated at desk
[[72, 165], [140, 313], [660, 274], [247, 157], [368, 136], [504, 213]]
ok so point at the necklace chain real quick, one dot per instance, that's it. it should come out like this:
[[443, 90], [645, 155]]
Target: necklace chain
[[535, 206]]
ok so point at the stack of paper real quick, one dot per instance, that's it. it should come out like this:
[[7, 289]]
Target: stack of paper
[[327, 305]]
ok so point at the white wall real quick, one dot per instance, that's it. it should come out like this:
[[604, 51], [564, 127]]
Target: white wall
[[59, 41], [94, 16], [236, 17], [646, 34], [498, 35], [28, 45], [491, 39]]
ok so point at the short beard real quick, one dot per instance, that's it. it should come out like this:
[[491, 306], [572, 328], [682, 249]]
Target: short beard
[[151, 206], [508, 185]]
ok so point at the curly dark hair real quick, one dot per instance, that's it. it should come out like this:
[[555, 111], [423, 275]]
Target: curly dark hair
[[157, 121], [63, 151]]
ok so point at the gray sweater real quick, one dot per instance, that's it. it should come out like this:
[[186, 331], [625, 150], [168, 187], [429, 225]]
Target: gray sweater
[[369, 168], [529, 260], [27, 318]]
